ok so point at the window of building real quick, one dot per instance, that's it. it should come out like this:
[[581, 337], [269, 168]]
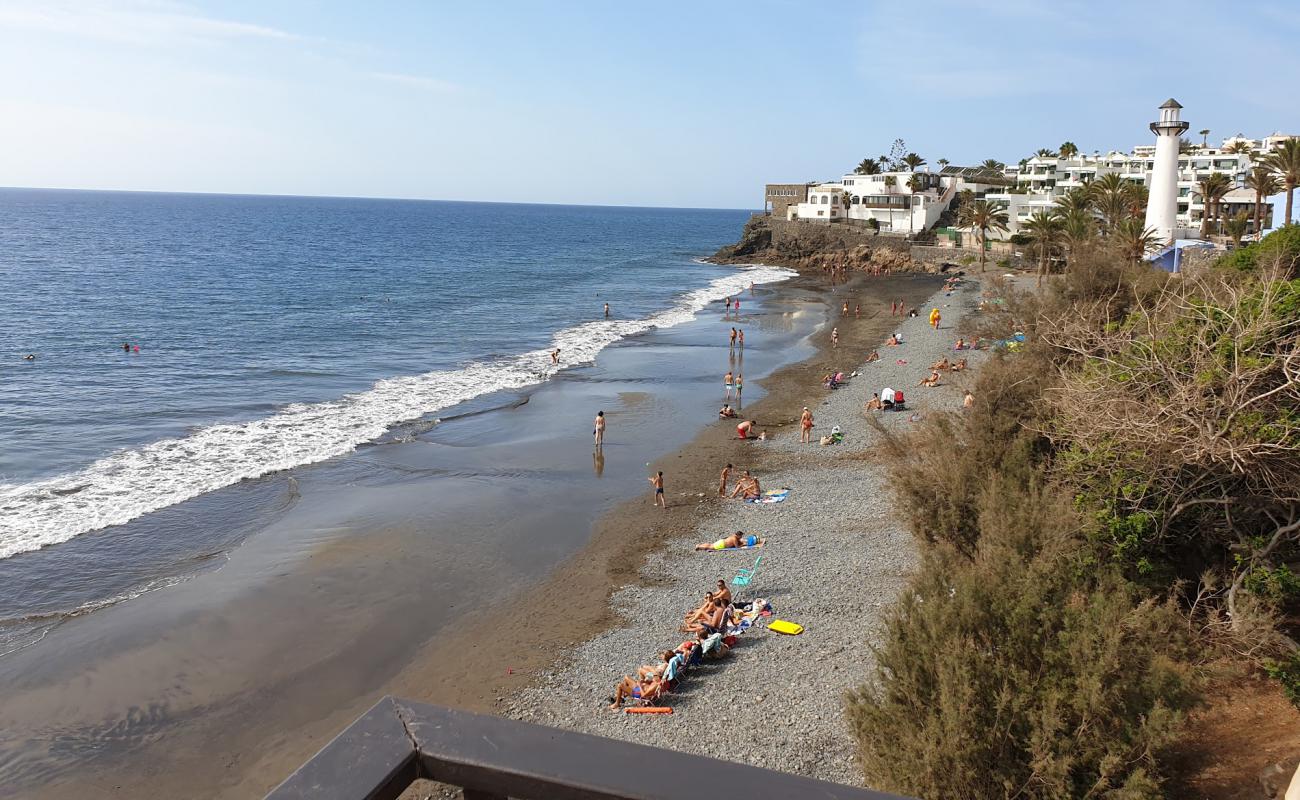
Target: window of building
[[821, 213], [825, 199]]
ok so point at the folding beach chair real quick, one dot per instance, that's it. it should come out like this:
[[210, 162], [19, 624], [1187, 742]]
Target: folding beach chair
[[746, 574]]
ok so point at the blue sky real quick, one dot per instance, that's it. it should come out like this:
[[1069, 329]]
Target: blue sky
[[653, 103]]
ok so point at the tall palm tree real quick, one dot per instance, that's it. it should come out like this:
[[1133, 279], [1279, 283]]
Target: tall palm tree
[[915, 184], [1265, 184], [983, 216], [890, 183], [869, 166], [1112, 196], [912, 161], [1236, 227], [1068, 150], [1212, 189], [1138, 195], [1285, 161], [1134, 240], [1205, 137], [1078, 231], [1044, 230], [993, 164]]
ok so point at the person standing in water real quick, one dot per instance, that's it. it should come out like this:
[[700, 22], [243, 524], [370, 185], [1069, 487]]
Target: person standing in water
[[844, 311], [607, 311], [740, 387], [599, 430], [555, 356], [733, 337], [657, 481], [741, 340], [726, 384], [126, 347]]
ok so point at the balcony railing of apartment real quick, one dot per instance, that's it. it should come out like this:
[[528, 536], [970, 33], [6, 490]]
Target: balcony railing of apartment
[[399, 741]]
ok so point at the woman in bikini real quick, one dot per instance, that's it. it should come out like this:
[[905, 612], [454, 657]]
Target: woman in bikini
[[805, 426]]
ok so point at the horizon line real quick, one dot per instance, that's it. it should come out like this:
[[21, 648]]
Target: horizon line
[[365, 197]]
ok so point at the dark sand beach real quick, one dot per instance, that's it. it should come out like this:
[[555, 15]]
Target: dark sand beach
[[448, 566]]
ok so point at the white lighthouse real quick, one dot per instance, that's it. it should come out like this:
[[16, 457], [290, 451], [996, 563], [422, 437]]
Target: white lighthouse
[[1162, 200]]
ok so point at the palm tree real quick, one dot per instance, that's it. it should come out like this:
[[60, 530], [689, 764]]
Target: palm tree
[[1078, 230], [1044, 230], [1068, 150], [1285, 161], [1133, 240], [1112, 196], [993, 164], [1043, 152], [915, 184], [1236, 227], [1205, 137], [868, 167], [1138, 195], [912, 161], [943, 163], [1075, 199], [1212, 188], [1185, 146], [983, 216], [1239, 147], [890, 183], [1265, 184]]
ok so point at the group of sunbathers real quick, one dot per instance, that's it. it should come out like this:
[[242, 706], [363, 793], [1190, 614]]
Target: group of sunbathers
[[942, 365], [747, 487], [714, 625]]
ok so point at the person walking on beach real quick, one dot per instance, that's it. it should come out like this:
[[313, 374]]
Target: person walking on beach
[[733, 337], [844, 311], [741, 338], [935, 316], [740, 387], [857, 310], [968, 400], [805, 426], [737, 305], [722, 483], [835, 337], [726, 384], [893, 308], [599, 430], [657, 481]]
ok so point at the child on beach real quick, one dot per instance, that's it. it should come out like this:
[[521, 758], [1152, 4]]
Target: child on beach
[[722, 482], [657, 481]]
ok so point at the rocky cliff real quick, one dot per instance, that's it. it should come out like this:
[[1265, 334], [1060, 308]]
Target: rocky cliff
[[813, 247]]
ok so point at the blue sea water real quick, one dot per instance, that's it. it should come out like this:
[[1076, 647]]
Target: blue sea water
[[280, 331]]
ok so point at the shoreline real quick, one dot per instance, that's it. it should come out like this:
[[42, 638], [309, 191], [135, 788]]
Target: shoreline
[[836, 557]]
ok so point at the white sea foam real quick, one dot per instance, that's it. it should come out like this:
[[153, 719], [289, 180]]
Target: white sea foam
[[130, 483]]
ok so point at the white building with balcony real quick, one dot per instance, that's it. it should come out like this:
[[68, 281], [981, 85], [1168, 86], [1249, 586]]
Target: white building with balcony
[[901, 202]]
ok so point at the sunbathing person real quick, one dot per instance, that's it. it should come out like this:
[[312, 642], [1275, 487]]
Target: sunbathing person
[[892, 341], [959, 366], [631, 687], [961, 343], [747, 487], [941, 364], [723, 593], [715, 623], [874, 356], [699, 612], [732, 542], [933, 380], [648, 671]]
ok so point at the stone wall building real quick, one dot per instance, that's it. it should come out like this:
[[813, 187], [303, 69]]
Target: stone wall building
[[777, 197]]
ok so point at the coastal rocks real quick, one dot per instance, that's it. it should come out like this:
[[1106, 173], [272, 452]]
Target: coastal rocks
[[812, 247]]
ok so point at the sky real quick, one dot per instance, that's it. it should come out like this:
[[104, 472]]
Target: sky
[[688, 104]]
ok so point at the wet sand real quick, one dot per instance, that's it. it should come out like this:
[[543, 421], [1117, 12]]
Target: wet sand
[[228, 713]]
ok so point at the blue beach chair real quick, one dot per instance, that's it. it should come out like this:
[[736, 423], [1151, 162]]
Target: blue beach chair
[[746, 574]]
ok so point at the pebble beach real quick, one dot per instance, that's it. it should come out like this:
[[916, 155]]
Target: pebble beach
[[836, 556]]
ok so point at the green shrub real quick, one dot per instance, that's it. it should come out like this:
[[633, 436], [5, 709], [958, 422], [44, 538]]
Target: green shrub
[[1287, 673], [1280, 249]]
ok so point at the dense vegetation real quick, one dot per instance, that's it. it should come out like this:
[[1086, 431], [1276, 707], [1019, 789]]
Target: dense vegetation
[[1118, 516]]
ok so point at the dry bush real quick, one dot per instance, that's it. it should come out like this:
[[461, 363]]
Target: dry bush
[[1025, 672]]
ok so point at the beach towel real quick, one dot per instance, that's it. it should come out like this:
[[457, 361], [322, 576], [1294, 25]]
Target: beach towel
[[771, 496]]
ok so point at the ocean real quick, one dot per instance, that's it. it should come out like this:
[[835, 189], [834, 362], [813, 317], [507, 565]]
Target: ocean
[[268, 333]]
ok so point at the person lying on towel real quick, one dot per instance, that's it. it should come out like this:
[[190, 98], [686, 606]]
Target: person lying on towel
[[735, 540]]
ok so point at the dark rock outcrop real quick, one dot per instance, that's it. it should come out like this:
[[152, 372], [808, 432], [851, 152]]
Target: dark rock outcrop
[[813, 247]]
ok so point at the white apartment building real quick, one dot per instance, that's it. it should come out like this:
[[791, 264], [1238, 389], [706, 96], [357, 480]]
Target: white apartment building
[[901, 202], [1041, 180]]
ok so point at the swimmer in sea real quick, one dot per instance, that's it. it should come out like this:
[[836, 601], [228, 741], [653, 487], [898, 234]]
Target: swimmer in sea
[[126, 347], [658, 482], [607, 311], [555, 356], [29, 357]]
